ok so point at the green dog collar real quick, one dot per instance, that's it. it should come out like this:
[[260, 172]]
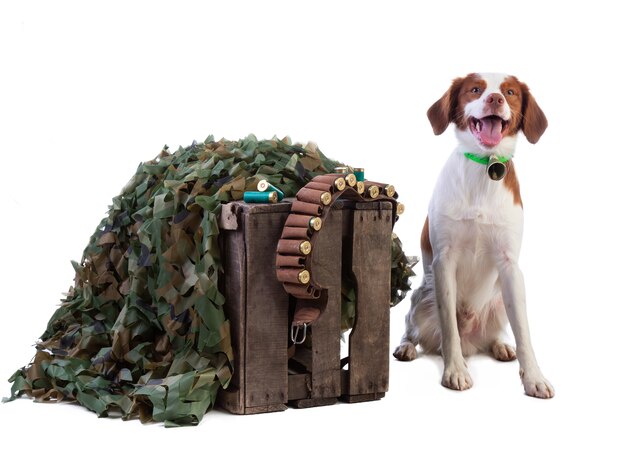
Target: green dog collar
[[484, 159]]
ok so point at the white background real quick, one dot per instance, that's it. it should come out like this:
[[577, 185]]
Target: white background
[[89, 90]]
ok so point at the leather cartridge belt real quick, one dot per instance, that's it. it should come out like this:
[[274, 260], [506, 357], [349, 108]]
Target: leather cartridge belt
[[305, 223]]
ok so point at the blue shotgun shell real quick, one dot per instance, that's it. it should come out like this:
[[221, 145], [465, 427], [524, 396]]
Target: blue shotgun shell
[[260, 196], [264, 185]]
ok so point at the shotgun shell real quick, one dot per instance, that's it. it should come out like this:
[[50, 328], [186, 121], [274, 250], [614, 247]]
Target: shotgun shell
[[340, 184], [304, 276], [351, 179], [264, 185], [341, 170], [305, 247], [373, 191], [326, 197], [359, 173], [360, 187], [390, 190], [400, 209], [260, 196], [315, 223]]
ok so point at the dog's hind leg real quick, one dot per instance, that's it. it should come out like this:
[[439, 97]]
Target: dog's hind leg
[[422, 323]]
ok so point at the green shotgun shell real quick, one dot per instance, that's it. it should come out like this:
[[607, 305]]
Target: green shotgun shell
[[315, 223], [264, 185], [359, 173], [304, 276], [260, 196], [305, 247]]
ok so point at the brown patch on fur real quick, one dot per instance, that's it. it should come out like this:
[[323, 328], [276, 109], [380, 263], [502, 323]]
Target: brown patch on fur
[[525, 112], [450, 107], [511, 182], [425, 240]]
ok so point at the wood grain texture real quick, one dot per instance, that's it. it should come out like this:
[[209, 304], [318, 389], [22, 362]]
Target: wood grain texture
[[234, 265], [326, 331], [356, 235], [267, 312], [371, 266]]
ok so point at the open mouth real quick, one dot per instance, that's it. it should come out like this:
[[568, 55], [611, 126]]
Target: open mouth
[[489, 130]]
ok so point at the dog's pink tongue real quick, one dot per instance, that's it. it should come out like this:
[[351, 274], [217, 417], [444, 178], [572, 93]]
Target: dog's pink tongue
[[491, 131]]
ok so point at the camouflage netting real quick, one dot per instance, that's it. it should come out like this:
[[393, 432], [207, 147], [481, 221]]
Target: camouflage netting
[[142, 333]]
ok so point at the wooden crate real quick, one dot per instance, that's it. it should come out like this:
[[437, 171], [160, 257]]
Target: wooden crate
[[270, 372]]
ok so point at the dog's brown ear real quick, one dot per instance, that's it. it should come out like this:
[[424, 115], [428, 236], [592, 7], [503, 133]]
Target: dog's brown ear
[[534, 122], [442, 112]]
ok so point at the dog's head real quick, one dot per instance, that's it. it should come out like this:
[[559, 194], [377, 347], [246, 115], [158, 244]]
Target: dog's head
[[488, 110]]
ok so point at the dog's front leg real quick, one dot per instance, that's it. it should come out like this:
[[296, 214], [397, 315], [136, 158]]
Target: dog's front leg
[[514, 296], [455, 373]]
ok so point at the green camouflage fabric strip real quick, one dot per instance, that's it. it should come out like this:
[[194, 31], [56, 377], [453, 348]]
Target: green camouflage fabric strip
[[143, 333]]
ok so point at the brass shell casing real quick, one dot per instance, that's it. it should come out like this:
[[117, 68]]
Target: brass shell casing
[[399, 209], [390, 190], [340, 184], [360, 187], [326, 198], [351, 179], [373, 191], [341, 170], [304, 276], [315, 223], [305, 247], [263, 185]]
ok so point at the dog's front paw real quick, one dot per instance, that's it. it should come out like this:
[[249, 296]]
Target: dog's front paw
[[537, 386], [503, 352], [406, 351], [456, 376]]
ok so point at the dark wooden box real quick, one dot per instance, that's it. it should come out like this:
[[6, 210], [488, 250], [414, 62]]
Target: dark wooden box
[[270, 372]]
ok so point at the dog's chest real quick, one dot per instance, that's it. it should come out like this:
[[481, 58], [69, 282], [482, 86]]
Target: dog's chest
[[477, 223], [465, 193]]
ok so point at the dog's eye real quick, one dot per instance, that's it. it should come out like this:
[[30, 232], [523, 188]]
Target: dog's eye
[[476, 90], [510, 92]]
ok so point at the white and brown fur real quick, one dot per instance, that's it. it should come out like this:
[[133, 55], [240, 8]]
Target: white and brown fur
[[472, 236]]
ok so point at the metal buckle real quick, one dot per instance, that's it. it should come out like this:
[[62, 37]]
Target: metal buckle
[[295, 331]]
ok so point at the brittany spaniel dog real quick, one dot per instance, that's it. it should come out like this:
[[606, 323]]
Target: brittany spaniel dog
[[473, 232]]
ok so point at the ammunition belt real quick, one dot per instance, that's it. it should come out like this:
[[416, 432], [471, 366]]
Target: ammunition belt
[[294, 267]]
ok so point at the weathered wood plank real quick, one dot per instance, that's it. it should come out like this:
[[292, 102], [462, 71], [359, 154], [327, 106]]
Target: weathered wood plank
[[325, 332], [299, 386], [267, 312], [369, 339], [312, 402], [265, 408], [234, 265]]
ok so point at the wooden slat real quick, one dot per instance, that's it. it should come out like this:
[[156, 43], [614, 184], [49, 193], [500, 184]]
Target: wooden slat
[[234, 265], [265, 408], [267, 311], [312, 402], [299, 386], [325, 365], [369, 339]]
